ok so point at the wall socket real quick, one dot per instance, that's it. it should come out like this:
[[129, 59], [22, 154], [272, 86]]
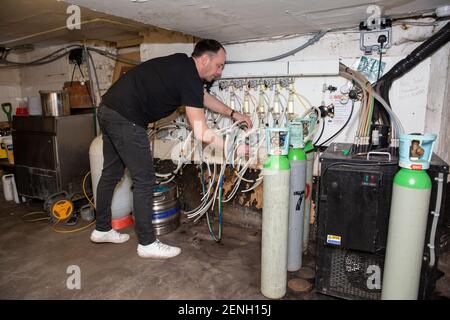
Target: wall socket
[[369, 40], [370, 33]]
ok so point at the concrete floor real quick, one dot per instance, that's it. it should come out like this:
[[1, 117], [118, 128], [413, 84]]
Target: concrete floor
[[34, 261]]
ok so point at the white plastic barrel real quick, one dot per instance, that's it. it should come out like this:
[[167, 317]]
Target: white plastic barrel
[[122, 197]]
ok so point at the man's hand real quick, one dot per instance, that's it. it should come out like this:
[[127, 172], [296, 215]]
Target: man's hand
[[242, 117], [243, 150]]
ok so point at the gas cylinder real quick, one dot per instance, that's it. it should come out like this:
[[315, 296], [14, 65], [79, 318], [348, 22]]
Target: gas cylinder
[[408, 219], [297, 163], [310, 155], [275, 213]]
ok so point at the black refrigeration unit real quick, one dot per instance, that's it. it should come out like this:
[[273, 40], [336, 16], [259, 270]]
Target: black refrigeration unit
[[51, 154], [353, 205]]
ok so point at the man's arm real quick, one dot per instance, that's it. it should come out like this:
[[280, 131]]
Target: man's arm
[[218, 106], [196, 117]]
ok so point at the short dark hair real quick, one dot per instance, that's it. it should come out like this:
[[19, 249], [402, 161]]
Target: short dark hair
[[208, 46]]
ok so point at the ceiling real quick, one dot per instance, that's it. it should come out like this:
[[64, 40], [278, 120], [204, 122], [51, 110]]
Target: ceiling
[[44, 21], [229, 21]]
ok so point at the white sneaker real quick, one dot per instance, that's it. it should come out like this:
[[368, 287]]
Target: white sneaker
[[157, 250], [109, 236]]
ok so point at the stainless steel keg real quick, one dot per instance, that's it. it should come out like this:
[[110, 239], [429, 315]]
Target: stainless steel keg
[[166, 209]]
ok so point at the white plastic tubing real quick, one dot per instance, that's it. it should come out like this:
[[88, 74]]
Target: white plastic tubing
[[262, 113]]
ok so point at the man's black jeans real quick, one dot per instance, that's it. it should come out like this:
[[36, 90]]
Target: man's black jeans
[[126, 144]]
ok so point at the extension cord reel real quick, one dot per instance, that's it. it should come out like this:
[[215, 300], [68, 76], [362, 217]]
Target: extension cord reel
[[59, 206]]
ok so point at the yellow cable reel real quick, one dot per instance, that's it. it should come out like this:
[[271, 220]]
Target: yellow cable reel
[[59, 205], [62, 209]]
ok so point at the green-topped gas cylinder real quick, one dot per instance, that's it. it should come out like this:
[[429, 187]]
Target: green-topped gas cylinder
[[297, 162], [310, 155], [276, 171], [407, 228]]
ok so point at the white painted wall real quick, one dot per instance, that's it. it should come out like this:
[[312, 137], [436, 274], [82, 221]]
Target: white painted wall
[[437, 117], [149, 51], [418, 97], [159, 42], [444, 142], [10, 89]]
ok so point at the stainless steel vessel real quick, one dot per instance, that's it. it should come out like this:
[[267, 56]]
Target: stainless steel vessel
[[166, 212], [55, 103]]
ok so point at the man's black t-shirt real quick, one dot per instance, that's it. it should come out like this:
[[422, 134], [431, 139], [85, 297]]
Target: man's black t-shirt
[[155, 89]]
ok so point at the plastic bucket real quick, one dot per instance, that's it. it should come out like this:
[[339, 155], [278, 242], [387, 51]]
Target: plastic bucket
[[416, 150], [34, 106]]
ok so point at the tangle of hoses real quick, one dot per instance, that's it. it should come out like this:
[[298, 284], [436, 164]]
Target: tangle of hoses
[[212, 188], [210, 194], [206, 201], [369, 94]]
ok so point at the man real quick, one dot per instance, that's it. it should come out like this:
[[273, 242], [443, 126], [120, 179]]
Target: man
[[147, 93]]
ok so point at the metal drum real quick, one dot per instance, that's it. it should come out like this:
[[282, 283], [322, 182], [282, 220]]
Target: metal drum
[[55, 103], [166, 209]]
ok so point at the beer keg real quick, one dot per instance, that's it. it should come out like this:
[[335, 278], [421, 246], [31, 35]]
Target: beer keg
[[166, 209]]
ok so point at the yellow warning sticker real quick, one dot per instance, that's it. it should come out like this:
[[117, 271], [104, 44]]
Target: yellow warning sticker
[[332, 239]]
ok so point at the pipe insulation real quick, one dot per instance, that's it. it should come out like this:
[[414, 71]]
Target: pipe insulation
[[419, 54]]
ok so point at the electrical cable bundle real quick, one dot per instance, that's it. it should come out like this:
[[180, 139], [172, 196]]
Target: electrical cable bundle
[[58, 54]]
